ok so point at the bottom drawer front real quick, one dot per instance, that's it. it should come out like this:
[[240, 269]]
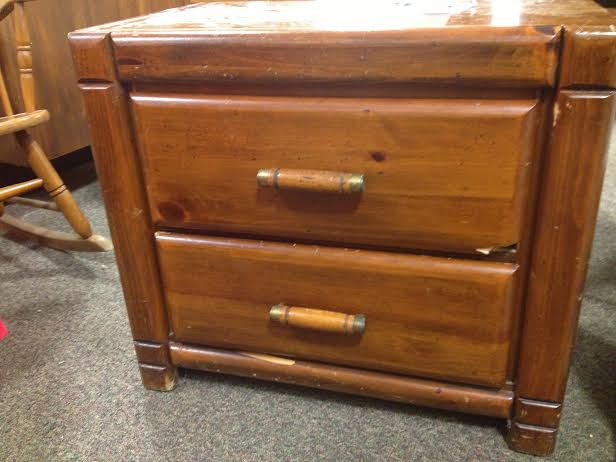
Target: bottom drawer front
[[425, 316]]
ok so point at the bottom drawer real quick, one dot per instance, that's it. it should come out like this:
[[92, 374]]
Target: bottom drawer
[[425, 316]]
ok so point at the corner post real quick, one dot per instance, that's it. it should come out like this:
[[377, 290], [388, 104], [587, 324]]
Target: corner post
[[568, 202], [119, 172]]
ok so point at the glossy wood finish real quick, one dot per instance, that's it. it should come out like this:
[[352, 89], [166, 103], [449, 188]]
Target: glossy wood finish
[[291, 16], [158, 378], [155, 367], [329, 43], [391, 387], [49, 22], [539, 413], [589, 57], [54, 185], [24, 121], [509, 57], [118, 173], [439, 174], [531, 439], [24, 57], [20, 188], [120, 177], [553, 57], [421, 312], [19, 126], [571, 187]]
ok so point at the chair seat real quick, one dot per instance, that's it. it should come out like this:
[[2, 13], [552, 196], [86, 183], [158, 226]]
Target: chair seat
[[17, 122]]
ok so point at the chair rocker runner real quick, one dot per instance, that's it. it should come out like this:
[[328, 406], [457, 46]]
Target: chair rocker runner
[[18, 126]]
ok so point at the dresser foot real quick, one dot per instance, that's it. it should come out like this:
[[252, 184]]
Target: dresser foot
[[534, 426], [158, 378], [157, 372], [531, 439]]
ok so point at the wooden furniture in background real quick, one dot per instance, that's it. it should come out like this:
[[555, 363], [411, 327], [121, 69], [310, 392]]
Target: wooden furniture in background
[[436, 171], [35, 157], [48, 23]]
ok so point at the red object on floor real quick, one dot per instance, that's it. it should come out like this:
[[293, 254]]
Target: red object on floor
[[3, 330]]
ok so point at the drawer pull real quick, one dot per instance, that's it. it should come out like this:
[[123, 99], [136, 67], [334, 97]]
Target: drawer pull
[[311, 180], [327, 321]]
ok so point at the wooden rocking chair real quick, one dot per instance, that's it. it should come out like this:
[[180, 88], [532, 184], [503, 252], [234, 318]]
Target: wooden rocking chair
[[18, 125]]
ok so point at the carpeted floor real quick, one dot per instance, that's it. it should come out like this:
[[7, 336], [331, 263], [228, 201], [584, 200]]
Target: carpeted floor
[[70, 389]]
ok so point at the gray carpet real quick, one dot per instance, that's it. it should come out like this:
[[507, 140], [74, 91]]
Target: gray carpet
[[70, 389]]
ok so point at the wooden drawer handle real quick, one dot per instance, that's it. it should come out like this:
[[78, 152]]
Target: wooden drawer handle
[[311, 180], [327, 321]]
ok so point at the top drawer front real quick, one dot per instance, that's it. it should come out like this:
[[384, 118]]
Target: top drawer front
[[439, 174]]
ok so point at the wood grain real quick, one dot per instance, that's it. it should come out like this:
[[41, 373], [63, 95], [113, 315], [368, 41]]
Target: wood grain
[[521, 56], [23, 45], [589, 57], [17, 122], [152, 353], [119, 174], [20, 188], [293, 16], [421, 312], [129, 221], [570, 191], [158, 378], [531, 439], [468, 142], [55, 84], [540, 413], [367, 383], [439, 174]]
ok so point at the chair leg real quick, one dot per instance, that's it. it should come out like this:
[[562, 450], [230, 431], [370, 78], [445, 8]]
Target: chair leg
[[65, 203], [54, 185], [54, 239]]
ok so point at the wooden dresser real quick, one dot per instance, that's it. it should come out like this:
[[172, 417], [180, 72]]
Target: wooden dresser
[[390, 199]]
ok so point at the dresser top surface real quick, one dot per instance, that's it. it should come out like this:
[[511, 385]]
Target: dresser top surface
[[306, 16]]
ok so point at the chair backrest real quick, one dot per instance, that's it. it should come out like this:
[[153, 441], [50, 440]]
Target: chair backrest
[[6, 6], [23, 47], [5, 102]]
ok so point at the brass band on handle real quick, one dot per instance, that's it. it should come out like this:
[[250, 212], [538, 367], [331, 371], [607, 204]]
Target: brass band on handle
[[311, 180], [321, 320]]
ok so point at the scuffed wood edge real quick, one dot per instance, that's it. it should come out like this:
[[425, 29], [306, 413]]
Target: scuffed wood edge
[[120, 175], [475, 400], [588, 59]]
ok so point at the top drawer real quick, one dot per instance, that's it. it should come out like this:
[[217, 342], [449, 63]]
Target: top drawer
[[441, 174]]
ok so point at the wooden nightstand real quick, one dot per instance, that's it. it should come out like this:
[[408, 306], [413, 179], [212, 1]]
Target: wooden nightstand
[[393, 199]]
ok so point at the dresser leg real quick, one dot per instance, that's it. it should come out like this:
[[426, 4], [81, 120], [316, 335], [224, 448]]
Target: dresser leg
[[534, 426], [158, 378], [157, 372], [530, 439]]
